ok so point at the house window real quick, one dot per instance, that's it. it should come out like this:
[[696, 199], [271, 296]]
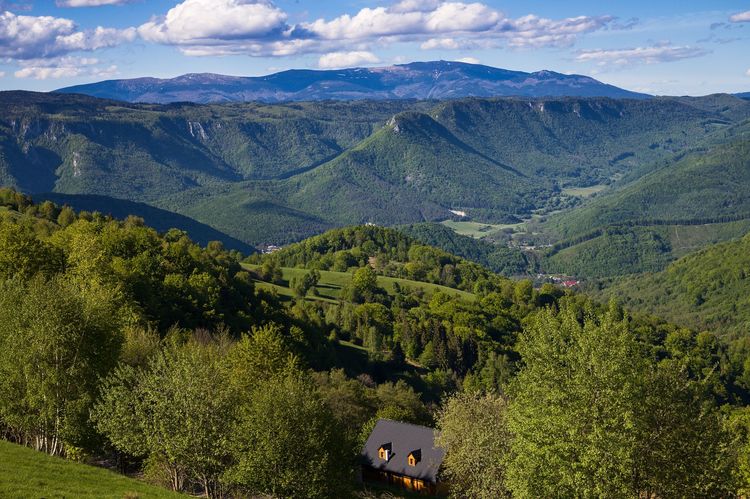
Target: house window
[[415, 457], [384, 452]]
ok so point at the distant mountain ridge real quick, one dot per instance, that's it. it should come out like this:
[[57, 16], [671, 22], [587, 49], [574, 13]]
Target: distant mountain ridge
[[418, 80]]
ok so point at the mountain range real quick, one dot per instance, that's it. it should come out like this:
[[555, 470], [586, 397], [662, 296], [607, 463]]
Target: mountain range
[[276, 173], [419, 80]]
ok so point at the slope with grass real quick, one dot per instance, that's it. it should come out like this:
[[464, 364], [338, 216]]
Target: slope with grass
[[27, 473], [332, 283]]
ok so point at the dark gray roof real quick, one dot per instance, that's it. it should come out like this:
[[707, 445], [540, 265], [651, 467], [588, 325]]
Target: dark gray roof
[[404, 438]]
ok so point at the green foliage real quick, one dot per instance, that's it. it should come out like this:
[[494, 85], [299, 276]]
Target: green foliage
[[288, 444], [257, 356], [22, 254], [306, 283], [475, 436], [165, 279], [57, 338], [704, 290], [592, 416], [176, 411]]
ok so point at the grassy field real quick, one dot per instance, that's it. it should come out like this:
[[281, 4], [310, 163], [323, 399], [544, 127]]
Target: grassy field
[[584, 192], [477, 230], [331, 283], [26, 473]]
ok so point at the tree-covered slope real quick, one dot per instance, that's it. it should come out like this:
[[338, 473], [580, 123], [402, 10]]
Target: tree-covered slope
[[708, 289], [583, 141], [305, 167], [161, 220], [497, 258], [620, 250], [710, 184], [119, 343], [388, 251], [78, 144]]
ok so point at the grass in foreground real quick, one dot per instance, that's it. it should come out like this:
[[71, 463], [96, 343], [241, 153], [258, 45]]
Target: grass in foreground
[[26, 473]]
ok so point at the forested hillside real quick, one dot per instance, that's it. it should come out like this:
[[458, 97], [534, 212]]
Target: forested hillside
[[498, 258], [707, 289], [708, 185], [695, 199], [227, 378], [297, 169]]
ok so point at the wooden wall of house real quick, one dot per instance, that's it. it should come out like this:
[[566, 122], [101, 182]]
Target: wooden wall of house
[[404, 482]]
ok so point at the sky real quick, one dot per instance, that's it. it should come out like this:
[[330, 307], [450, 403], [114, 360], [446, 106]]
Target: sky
[[665, 47]]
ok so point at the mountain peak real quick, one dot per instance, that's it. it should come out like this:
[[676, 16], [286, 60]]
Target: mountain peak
[[415, 80]]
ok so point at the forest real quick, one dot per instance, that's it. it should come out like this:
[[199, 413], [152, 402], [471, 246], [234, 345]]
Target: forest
[[185, 365]]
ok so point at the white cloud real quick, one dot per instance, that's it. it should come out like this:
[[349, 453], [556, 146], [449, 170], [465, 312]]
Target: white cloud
[[472, 43], [33, 37], [90, 3], [210, 22], [448, 17], [740, 17], [260, 28], [64, 67], [468, 60], [335, 60], [747, 72], [2, 74], [415, 6], [440, 43], [640, 55], [533, 31]]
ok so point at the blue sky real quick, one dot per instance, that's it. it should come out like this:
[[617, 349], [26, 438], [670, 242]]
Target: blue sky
[[662, 47]]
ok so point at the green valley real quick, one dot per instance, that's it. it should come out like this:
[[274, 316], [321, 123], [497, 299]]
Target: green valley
[[276, 173]]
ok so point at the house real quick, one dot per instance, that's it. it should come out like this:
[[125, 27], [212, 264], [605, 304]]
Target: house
[[403, 455]]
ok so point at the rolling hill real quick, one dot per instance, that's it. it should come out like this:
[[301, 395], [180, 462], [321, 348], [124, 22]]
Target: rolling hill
[[418, 80], [161, 220], [707, 289], [701, 186], [272, 173], [695, 199], [498, 258]]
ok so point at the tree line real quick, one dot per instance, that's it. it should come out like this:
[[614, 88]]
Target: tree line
[[119, 342]]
